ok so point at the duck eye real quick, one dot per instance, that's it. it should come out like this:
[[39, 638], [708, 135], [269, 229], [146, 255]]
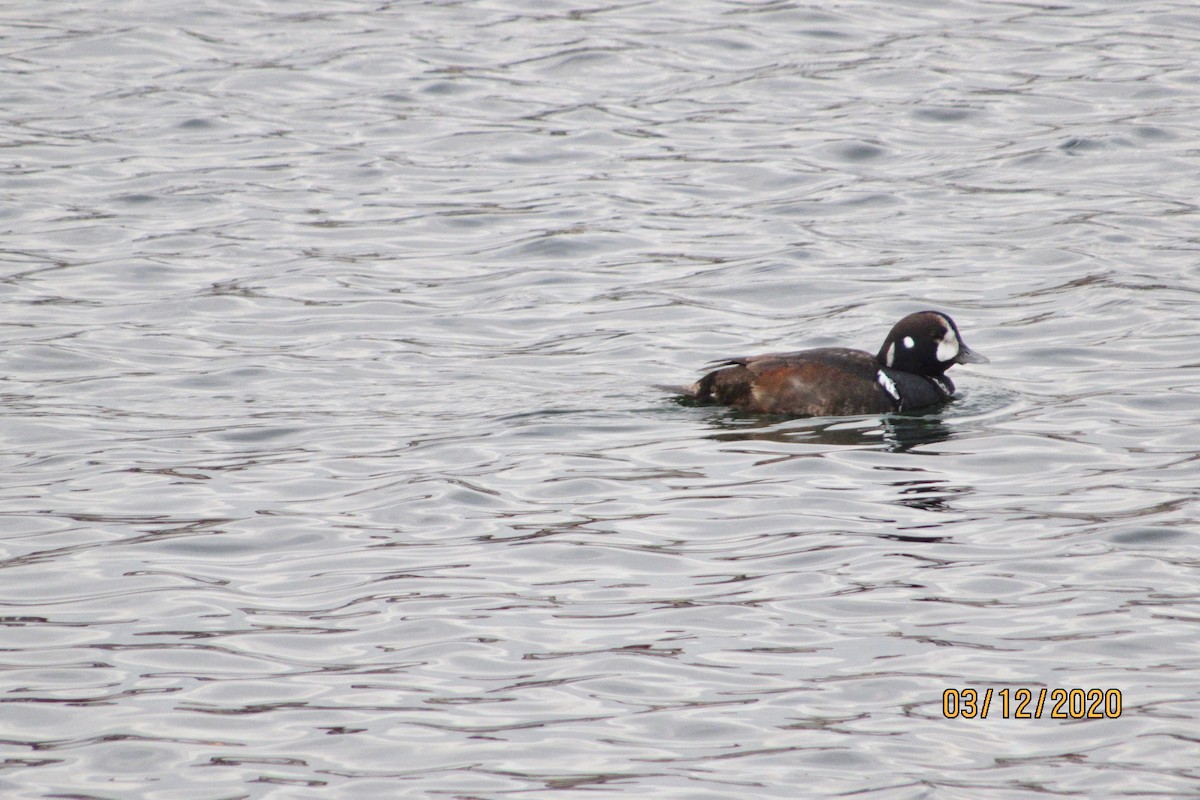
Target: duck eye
[[909, 343]]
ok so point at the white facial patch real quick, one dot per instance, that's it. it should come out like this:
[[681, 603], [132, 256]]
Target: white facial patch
[[909, 343], [947, 349], [891, 355], [888, 385]]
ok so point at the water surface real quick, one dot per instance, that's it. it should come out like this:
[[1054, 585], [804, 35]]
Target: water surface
[[334, 464]]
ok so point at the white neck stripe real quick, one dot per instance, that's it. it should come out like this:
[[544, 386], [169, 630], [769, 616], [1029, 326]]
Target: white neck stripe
[[888, 385]]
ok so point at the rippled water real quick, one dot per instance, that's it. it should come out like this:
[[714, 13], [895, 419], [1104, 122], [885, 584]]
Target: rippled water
[[333, 464]]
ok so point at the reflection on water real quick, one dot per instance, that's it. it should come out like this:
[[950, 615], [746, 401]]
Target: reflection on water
[[333, 465], [894, 432]]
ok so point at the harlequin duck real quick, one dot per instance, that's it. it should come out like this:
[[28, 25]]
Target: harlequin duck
[[908, 373]]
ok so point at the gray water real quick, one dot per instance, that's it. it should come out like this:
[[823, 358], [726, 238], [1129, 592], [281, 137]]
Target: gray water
[[333, 465]]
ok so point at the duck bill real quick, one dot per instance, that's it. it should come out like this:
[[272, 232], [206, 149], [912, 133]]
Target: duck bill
[[968, 356]]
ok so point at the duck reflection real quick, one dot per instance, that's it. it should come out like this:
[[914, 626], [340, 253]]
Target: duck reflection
[[894, 432], [929, 494]]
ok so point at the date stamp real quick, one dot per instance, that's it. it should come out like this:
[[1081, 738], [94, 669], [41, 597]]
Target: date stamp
[[1032, 703]]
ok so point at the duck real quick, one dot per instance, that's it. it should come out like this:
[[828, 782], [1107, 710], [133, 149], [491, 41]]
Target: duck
[[908, 373]]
